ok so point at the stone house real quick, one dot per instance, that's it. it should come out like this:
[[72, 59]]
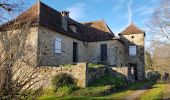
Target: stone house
[[57, 39]]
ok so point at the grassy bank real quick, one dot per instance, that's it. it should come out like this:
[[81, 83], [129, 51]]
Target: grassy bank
[[155, 93], [93, 93]]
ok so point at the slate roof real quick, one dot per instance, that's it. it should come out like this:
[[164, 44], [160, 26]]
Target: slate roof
[[132, 29], [42, 15]]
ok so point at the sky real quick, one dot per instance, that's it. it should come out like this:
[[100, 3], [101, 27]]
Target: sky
[[118, 14]]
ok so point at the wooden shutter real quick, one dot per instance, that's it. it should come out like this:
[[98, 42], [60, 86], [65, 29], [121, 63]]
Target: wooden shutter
[[58, 45]]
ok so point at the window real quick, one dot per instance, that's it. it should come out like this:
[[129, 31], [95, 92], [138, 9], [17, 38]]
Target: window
[[57, 45], [73, 28], [132, 37], [132, 50]]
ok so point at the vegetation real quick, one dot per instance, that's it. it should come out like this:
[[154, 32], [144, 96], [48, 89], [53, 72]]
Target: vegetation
[[116, 81], [93, 65], [155, 93], [62, 80], [153, 76], [94, 93]]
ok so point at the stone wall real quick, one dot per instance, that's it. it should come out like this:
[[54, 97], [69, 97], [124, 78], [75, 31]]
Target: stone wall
[[96, 73], [87, 52], [138, 41], [115, 51], [121, 70], [78, 72], [82, 74], [48, 57]]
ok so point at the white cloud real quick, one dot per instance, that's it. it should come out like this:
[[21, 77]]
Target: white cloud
[[118, 5], [77, 11], [153, 1], [144, 10]]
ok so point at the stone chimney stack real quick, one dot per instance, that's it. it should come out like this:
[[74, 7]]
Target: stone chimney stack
[[65, 16]]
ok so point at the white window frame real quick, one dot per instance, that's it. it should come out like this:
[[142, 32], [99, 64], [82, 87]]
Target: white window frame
[[57, 45], [132, 50]]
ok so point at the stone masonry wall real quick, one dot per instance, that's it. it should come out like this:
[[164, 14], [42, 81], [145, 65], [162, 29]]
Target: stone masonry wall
[[87, 52], [96, 73], [48, 57], [121, 70], [138, 41], [82, 74], [115, 52]]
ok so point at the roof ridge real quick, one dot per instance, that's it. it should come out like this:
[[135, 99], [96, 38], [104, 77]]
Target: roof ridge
[[92, 21], [132, 29]]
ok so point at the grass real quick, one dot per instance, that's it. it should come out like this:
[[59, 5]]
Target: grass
[[133, 86], [93, 65], [155, 93], [98, 92], [108, 79], [117, 95]]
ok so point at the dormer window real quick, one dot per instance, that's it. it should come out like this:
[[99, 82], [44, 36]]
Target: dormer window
[[73, 28]]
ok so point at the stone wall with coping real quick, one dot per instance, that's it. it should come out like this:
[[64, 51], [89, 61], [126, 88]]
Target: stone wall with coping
[[95, 73], [121, 70], [81, 72], [78, 72]]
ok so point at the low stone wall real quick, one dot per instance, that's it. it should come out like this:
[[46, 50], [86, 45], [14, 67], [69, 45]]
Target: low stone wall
[[121, 70], [77, 71], [96, 73], [80, 72]]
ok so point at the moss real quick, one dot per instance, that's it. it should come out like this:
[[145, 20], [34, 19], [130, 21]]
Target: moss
[[93, 65]]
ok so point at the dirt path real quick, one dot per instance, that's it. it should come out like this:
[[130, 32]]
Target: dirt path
[[137, 93], [166, 94]]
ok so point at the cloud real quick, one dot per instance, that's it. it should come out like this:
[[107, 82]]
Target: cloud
[[77, 11], [153, 1], [118, 5], [130, 14], [144, 10]]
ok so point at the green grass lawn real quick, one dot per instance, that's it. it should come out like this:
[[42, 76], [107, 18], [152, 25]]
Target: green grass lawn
[[93, 93], [155, 93]]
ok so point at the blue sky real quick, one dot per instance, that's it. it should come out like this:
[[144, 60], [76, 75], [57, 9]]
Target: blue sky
[[118, 14]]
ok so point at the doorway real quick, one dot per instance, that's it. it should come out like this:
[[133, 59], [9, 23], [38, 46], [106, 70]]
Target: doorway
[[135, 70], [103, 52], [75, 52]]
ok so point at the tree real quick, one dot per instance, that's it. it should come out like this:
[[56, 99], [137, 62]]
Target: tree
[[159, 23], [10, 9], [148, 59], [18, 77], [161, 56]]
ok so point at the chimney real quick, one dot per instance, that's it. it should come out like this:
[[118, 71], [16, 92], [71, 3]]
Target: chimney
[[65, 16]]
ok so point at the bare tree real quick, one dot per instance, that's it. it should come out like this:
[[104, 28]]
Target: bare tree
[[159, 23], [161, 56], [18, 76], [11, 8]]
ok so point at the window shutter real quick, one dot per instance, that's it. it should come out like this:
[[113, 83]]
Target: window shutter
[[58, 45], [132, 50]]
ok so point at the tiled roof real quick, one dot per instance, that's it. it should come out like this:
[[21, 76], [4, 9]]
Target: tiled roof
[[132, 29], [43, 15]]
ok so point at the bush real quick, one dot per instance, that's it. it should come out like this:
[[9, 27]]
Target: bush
[[61, 80], [153, 75]]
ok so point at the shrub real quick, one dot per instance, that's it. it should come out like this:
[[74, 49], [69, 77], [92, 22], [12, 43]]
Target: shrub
[[61, 80], [153, 75]]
